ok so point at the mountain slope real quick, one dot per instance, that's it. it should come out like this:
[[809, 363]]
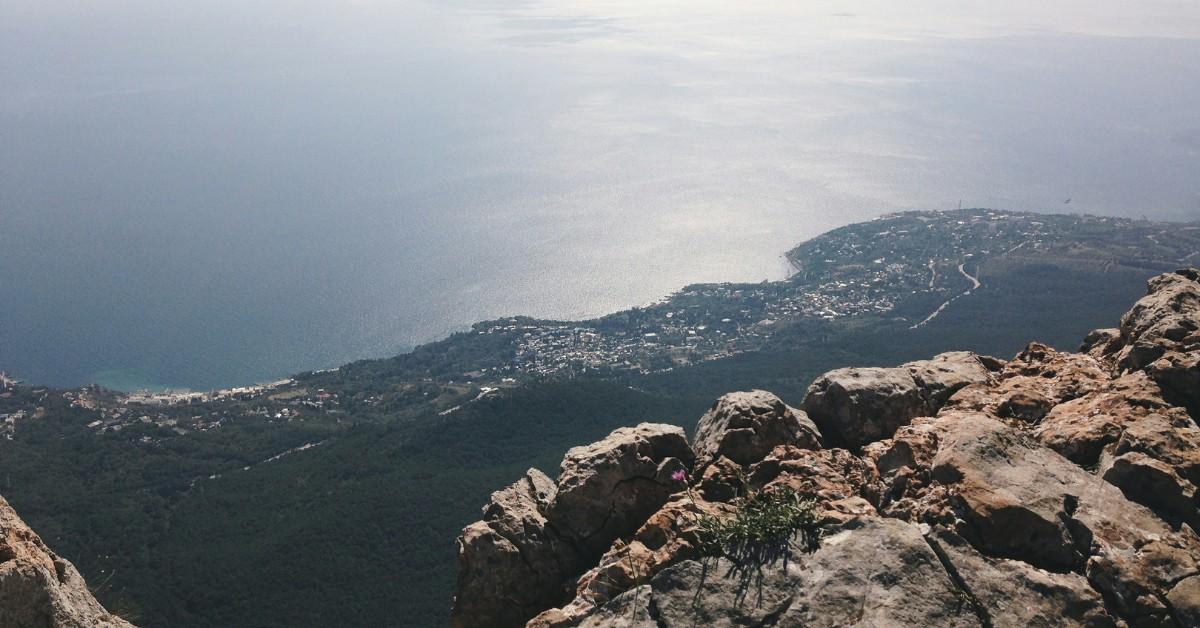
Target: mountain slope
[[1053, 489], [247, 504]]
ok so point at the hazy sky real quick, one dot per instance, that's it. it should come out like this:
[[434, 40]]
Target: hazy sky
[[202, 193]]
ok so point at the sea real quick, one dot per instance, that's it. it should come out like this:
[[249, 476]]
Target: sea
[[196, 195]]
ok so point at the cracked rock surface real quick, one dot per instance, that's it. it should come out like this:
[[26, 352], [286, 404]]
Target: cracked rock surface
[[1053, 489], [39, 589]]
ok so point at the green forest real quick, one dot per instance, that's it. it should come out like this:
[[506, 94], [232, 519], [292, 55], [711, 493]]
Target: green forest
[[359, 529]]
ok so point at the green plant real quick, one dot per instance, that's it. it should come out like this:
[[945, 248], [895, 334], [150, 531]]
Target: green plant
[[761, 519]]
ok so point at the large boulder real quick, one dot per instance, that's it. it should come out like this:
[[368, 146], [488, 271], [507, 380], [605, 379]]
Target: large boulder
[[511, 565], [1136, 441], [1167, 316], [1017, 499], [870, 572], [1161, 334], [609, 488], [1013, 594], [1184, 599], [939, 377], [1153, 483], [856, 406], [745, 426], [536, 537], [38, 588]]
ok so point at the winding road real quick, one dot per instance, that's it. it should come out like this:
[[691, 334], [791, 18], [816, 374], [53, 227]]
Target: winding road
[[975, 285]]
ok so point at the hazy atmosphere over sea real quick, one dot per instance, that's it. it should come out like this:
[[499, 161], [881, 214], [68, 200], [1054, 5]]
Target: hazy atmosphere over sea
[[201, 194]]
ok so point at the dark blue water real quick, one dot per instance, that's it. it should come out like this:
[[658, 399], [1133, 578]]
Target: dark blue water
[[207, 194]]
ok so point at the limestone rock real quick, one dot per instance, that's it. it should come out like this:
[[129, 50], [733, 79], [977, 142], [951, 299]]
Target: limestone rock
[[1052, 489], [1168, 315], [905, 486], [745, 426], [872, 572], [1020, 500], [938, 378], [1137, 440], [1026, 405], [1184, 599], [510, 564], [1081, 428], [1153, 483], [856, 406], [609, 488], [722, 480], [536, 536], [39, 589], [1036, 379], [829, 475], [668, 537], [1013, 594], [1161, 334], [628, 610], [1100, 342]]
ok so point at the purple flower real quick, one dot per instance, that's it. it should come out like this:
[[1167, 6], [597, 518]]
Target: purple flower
[[679, 475]]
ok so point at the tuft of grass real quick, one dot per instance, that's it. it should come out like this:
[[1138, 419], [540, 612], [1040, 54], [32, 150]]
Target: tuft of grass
[[762, 519]]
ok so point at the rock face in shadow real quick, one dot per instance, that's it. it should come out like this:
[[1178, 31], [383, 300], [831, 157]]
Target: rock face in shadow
[[1022, 594], [512, 564], [607, 489], [537, 536], [39, 589], [1053, 489]]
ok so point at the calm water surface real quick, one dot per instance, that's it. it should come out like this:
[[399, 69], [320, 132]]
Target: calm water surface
[[207, 194]]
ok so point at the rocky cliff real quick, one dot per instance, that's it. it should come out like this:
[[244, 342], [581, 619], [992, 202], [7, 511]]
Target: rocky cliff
[[1050, 489], [39, 589]]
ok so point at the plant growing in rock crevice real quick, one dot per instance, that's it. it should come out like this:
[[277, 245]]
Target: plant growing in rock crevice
[[762, 519]]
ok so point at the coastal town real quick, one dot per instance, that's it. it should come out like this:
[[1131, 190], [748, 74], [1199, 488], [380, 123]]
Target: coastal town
[[866, 268], [872, 268]]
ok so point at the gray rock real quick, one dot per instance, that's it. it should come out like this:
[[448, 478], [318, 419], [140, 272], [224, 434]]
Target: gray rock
[[1161, 333], [631, 609], [857, 406], [609, 488], [511, 565], [1099, 342], [1153, 483], [878, 572], [536, 537], [1184, 599], [1165, 317], [1017, 499], [719, 593], [873, 572], [746, 426], [943, 375], [1028, 406], [1013, 594], [39, 589]]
